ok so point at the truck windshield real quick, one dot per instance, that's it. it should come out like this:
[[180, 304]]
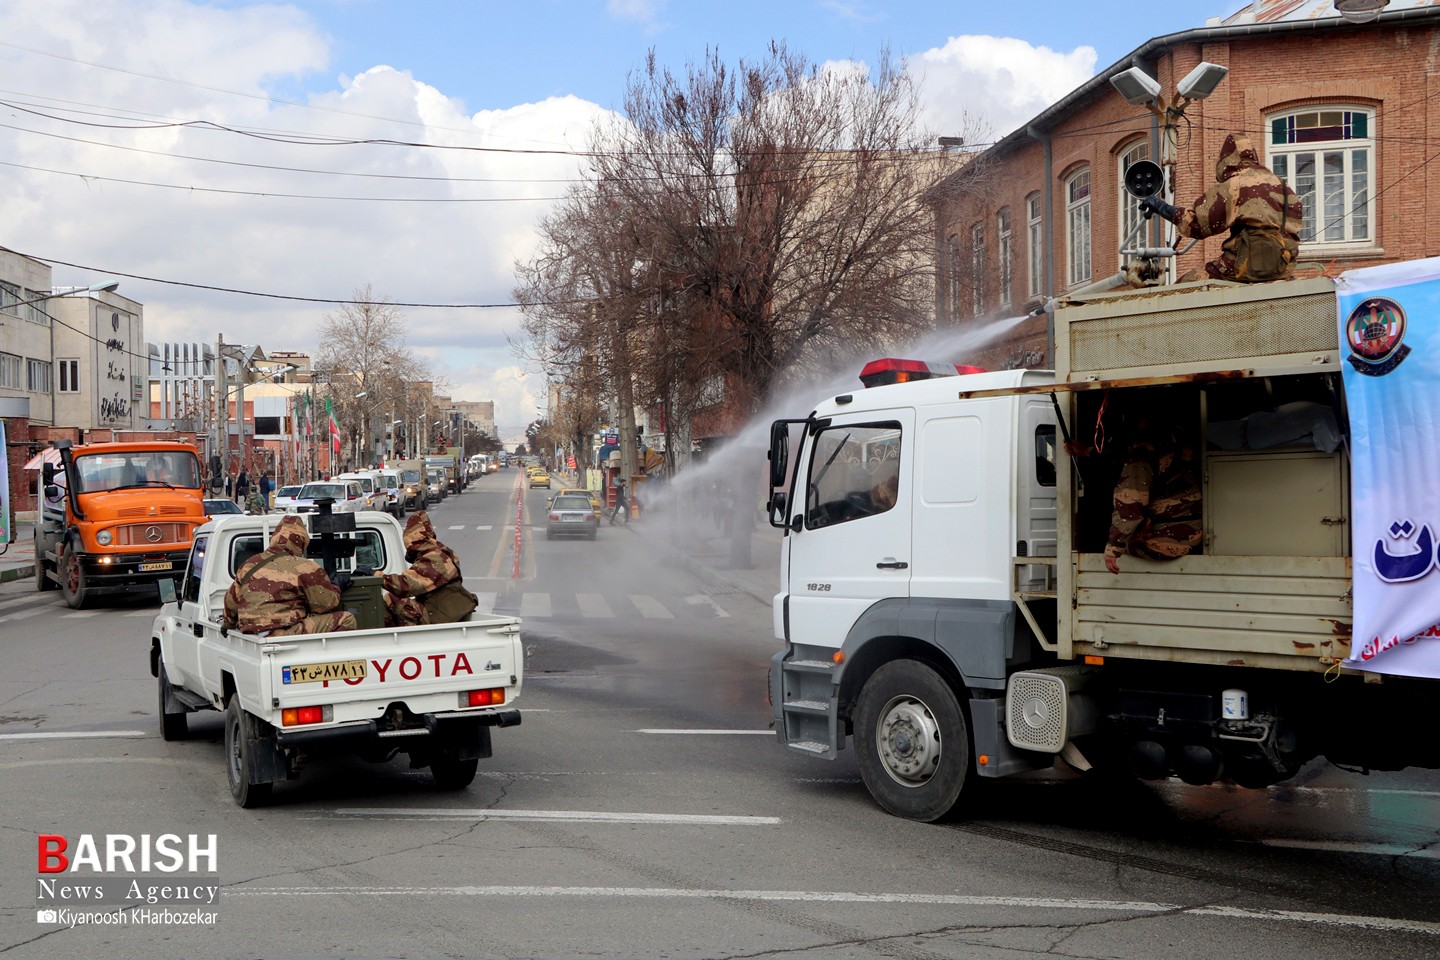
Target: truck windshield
[[141, 468], [411, 476]]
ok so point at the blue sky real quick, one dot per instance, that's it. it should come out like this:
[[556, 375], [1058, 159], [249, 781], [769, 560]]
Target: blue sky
[[227, 210]]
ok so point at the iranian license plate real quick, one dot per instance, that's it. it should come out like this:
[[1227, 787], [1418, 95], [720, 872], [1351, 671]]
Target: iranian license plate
[[157, 565], [570, 519], [315, 672]]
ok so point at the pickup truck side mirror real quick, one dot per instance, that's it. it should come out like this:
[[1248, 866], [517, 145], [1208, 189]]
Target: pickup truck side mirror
[[167, 591]]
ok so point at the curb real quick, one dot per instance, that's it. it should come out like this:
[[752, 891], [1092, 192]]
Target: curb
[[17, 573]]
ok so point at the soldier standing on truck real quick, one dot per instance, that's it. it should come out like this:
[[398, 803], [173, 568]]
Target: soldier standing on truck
[[431, 590], [280, 592], [1261, 212]]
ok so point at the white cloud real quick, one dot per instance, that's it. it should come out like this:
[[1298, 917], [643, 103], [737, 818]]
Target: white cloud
[[1002, 81]]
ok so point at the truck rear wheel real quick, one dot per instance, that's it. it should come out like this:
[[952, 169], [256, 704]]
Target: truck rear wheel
[[72, 580], [912, 741], [239, 756], [451, 773], [173, 726]]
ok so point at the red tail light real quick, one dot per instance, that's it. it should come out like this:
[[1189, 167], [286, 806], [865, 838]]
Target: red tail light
[[485, 698], [299, 716]]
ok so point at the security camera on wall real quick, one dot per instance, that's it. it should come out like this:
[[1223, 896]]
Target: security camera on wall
[[1136, 86]]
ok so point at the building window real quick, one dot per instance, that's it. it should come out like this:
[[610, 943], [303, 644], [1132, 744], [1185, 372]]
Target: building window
[[37, 376], [1002, 246], [69, 375], [1130, 217], [9, 298], [954, 264], [10, 372], [1034, 231], [1327, 157], [1077, 221], [977, 269]]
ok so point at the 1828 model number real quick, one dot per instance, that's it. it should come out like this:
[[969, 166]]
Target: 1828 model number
[[818, 587]]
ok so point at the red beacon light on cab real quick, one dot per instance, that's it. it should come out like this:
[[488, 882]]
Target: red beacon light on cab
[[878, 373]]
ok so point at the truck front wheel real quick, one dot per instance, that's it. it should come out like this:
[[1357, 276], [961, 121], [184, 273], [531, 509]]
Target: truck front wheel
[[912, 741], [72, 580], [240, 757]]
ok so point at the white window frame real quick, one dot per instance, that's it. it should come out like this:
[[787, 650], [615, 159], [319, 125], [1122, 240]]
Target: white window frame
[[954, 265], [1002, 254], [977, 268], [1129, 206], [12, 372], [1339, 202], [1077, 227], [68, 375], [38, 375], [1035, 235]]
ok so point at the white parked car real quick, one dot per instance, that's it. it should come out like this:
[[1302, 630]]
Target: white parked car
[[285, 498], [347, 495]]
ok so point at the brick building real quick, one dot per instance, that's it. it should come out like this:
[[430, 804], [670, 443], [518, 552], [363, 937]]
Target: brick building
[[1342, 111]]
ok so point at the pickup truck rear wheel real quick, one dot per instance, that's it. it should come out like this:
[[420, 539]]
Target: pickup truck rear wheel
[[451, 773], [912, 741], [173, 726], [72, 580], [239, 759]]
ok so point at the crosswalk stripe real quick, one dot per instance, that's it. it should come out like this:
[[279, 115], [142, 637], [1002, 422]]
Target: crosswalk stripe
[[22, 615], [650, 608], [487, 602], [701, 600], [79, 613], [594, 605], [535, 605]]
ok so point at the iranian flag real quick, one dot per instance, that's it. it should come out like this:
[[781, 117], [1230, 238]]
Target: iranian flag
[[334, 428]]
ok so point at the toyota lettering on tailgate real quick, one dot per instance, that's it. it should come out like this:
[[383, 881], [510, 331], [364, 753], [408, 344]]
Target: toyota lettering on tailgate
[[432, 666]]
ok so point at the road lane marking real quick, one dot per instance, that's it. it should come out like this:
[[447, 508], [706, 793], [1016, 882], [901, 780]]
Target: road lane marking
[[702, 600], [650, 608], [535, 605], [569, 816], [23, 614], [73, 735], [486, 526], [458, 526], [710, 733], [822, 896], [593, 605], [79, 613]]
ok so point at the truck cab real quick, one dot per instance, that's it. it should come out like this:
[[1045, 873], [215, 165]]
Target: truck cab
[[115, 516]]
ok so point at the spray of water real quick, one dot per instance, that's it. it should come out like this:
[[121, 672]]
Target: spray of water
[[699, 506]]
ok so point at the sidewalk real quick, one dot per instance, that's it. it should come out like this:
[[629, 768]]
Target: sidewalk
[[19, 560]]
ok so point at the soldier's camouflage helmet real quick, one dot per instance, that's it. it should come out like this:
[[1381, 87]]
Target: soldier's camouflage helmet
[[290, 536], [419, 533]]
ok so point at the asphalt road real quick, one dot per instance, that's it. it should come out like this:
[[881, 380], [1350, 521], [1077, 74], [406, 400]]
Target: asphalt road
[[643, 809]]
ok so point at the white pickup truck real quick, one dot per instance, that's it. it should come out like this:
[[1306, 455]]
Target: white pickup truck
[[433, 692]]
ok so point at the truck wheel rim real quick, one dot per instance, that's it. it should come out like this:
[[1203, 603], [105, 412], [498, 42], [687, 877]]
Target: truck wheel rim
[[72, 572], [237, 769], [907, 739]]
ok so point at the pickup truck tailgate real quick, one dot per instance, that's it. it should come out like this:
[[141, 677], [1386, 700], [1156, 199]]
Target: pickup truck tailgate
[[359, 674]]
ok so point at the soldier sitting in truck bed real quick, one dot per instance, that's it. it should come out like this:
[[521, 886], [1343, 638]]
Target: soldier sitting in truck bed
[[280, 592], [1157, 498], [430, 591]]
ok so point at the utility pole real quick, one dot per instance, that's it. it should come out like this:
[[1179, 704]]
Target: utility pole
[[222, 411]]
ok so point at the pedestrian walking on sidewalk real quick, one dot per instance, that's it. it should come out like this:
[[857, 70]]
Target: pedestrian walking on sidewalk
[[620, 502]]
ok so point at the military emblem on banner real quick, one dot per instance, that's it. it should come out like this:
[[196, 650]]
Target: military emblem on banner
[[1375, 331]]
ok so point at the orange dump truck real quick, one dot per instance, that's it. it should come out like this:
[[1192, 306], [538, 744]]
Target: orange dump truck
[[115, 517]]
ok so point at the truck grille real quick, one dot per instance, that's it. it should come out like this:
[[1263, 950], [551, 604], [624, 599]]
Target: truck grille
[[127, 513], [152, 534]]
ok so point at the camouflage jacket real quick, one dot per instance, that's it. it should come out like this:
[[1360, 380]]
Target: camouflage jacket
[[1247, 199], [279, 586], [1159, 488], [432, 564]]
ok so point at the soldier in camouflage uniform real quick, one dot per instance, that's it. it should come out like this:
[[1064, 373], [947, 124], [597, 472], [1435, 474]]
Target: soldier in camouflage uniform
[[431, 590], [1263, 216], [1157, 499], [279, 592]]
